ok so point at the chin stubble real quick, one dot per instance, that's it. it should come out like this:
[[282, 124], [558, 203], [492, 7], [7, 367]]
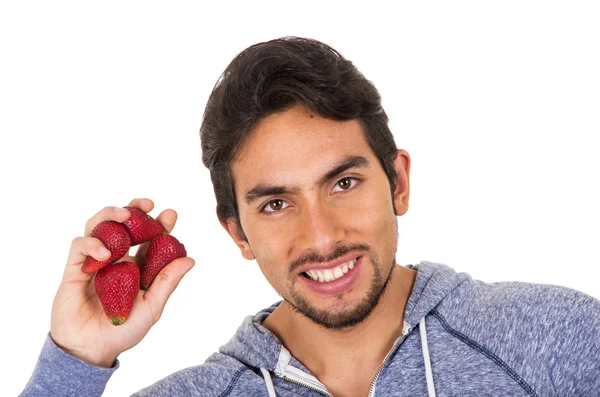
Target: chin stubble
[[345, 319]]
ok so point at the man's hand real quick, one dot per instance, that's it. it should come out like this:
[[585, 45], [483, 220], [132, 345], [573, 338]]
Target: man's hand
[[79, 325]]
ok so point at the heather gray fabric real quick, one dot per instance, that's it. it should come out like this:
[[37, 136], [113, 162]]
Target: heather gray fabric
[[483, 339]]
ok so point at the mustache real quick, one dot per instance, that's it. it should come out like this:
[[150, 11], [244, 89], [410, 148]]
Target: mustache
[[337, 253]]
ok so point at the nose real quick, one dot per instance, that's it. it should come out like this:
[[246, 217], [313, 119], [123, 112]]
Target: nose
[[320, 228]]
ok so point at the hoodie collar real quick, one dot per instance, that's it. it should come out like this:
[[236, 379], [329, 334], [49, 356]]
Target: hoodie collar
[[255, 346], [433, 283]]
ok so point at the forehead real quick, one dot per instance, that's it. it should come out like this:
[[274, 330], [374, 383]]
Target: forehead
[[295, 146]]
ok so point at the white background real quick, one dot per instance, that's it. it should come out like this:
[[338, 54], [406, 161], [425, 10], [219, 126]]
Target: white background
[[497, 103]]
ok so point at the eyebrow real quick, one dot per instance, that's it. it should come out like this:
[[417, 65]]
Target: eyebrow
[[263, 190]]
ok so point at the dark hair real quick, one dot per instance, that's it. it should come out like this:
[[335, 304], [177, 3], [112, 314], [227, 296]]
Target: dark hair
[[273, 76]]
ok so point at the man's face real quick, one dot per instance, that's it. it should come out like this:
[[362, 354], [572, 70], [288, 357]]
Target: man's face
[[316, 208]]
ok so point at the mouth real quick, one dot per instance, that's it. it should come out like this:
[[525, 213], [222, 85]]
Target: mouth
[[330, 274], [336, 279]]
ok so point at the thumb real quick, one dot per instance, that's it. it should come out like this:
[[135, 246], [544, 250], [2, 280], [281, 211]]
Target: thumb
[[165, 283]]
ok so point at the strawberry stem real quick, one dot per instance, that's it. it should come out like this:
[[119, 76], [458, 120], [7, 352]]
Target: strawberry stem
[[117, 320]]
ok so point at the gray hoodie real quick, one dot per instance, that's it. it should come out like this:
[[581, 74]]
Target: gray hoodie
[[462, 337]]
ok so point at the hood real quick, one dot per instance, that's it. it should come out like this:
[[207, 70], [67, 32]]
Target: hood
[[255, 346], [433, 283]]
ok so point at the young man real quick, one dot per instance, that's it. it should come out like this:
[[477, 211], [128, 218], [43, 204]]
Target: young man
[[309, 182]]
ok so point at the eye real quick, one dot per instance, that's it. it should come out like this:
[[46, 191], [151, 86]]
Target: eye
[[273, 206], [346, 183]]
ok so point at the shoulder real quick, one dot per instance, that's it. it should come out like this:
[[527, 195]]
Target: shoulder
[[220, 375], [546, 322], [520, 315], [539, 304], [551, 328]]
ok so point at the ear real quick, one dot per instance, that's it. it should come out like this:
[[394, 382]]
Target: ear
[[402, 191], [238, 237]]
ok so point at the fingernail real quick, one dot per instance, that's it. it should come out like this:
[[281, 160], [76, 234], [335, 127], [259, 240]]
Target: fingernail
[[103, 251], [120, 210]]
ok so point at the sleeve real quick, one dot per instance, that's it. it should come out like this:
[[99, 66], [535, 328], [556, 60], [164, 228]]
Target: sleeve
[[575, 365], [57, 373]]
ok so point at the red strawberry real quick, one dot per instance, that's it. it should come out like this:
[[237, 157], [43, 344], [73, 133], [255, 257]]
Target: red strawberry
[[162, 250], [117, 286], [141, 226], [115, 238]]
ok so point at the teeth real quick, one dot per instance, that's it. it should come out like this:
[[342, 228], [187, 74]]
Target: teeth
[[337, 272], [327, 275]]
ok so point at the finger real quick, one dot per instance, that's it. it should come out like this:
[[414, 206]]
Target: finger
[[164, 284], [81, 247], [117, 214], [145, 204], [167, 219], [86, 246]]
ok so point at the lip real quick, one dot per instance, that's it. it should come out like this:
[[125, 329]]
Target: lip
[[329, 265], [342, 284]]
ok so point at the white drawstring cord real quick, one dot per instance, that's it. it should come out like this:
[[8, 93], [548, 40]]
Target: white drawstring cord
[[428, 373], [269, 382]]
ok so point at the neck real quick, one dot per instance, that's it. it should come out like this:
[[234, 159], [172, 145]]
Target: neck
[[326, 352]]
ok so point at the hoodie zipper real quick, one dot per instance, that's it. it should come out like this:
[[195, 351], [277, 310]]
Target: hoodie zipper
[[295, 376], [298, 377], [325, 393], [405, 331]]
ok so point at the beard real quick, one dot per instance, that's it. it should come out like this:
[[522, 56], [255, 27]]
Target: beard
[[345, 318]]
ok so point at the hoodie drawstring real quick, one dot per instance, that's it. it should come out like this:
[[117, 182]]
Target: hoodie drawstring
[[428, 373], [269, 382], [425, 348]]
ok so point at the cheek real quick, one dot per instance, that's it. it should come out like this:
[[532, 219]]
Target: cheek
[[271, 241], [274, 240], [372, 211], [270, 252], [271, 270], [375, 223]]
